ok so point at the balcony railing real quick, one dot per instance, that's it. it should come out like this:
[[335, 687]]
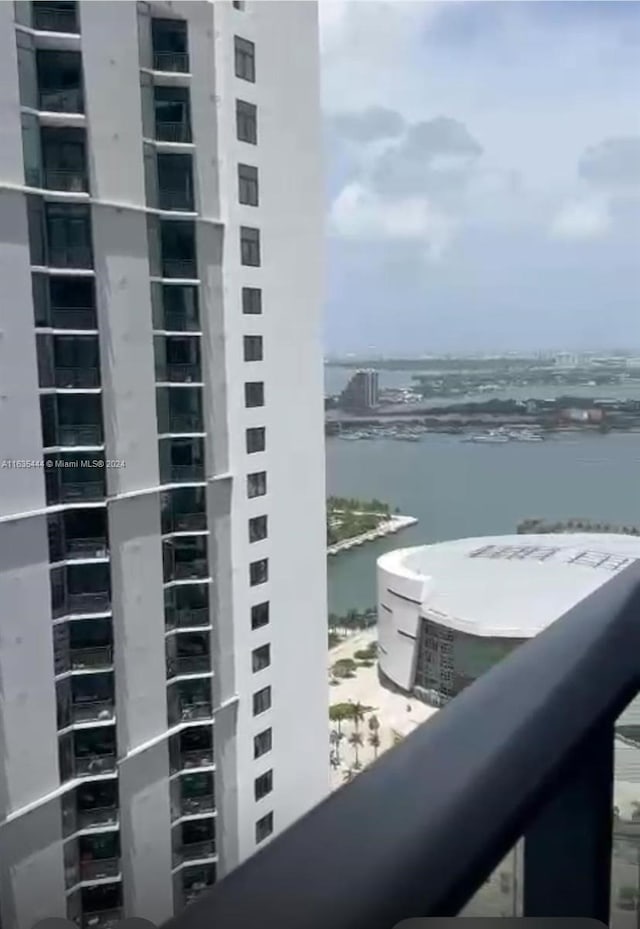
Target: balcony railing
[[189, 570], [91, 659], [80, 376], [81, 434], [200, 710], [175, 321], [185, 422], [195, 851], [92, 711], [196, 758], [525, 750], [188, 664], [185, 617], [99, 869], [53, 19], [69, 181], [103, 919], [176, 474], [175, 198], [88, 765], [73, 317], [62, 100], [191, 806], [70, 256], [81, 490], [189, 522], [95, 602], [172, 132], [171, 61], [86, 548], [180, 373], [100, 816], [184, 268]]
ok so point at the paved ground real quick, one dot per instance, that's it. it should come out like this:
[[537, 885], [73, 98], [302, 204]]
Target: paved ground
[[397, 714]]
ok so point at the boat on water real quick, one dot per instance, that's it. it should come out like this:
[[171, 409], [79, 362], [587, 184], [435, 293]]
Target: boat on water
[[526, 436], [488, 438]]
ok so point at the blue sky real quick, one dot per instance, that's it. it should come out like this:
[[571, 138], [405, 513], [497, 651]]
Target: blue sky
[[483, 174]]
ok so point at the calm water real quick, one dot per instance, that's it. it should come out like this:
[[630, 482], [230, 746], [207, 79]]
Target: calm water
[[459, 489]]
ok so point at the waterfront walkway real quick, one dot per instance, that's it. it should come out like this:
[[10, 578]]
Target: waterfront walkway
[[387, 527]]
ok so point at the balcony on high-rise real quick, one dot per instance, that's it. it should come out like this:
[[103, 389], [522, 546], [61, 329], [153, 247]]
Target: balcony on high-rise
[[192, 795], [172, 113], [193, 841], [64, 302], [78, 534], [60, 85], [169, 41], [174, 178], [71, 420], [175, 307], [90, 806], [185, 558], [86, 698], [181, 460], [80, 588], [191, 748], [188, 653], [68, 362], [83, 645], [177, 359], [88, 753], [59, 234], [189, 700], [72, 477], [55, 16], [179, 410]]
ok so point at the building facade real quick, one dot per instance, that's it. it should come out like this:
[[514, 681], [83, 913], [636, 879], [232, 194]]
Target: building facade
[[163, 614], [361, 393]]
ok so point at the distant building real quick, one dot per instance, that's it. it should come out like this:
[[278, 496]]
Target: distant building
[[361, 393]]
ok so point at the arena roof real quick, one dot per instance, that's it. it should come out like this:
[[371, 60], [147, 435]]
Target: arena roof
[[509, 586]]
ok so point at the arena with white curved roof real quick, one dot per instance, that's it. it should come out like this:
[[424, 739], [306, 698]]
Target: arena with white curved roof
[[447, 612]]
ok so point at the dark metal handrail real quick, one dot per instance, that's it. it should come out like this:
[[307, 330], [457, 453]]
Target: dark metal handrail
[[525, 750]]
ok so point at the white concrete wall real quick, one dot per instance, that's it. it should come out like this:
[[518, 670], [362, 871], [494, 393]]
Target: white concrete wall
[[399, 611], [288, 157]]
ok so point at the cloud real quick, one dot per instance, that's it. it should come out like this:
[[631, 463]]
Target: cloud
[[588, 219], [613, 164], [376, 122], [360, 213]]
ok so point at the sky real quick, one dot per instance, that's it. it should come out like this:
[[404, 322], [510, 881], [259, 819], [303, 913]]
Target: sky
[[482, 175]]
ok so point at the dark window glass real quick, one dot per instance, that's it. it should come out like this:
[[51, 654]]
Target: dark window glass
[[263, 785], [250, 246], [60, 81], [251, 301], [262, 743], [253, 348], [254, 393], [260, 658], [248, 185], [247, 122], [257, 484], [175, 181], [256, 440], [55, 16], [68, 228], [245, 59], [264, 827], [169, 41], [173, 113], [257, 528], [261, 701], [259, 572], [260, 615]]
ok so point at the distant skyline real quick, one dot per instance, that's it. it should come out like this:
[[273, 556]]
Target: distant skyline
[[483, 175]]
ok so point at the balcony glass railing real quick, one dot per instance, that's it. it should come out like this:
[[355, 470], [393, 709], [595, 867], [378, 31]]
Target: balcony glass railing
[[88, 765], [199, 710], [86, 548], [188, 570], [175, 198], [70, 256], [69, 181], [179, 268], [62, 100], [99, 816], [188, 664], [184, 617], [73, 317], [90, 659], [195, 758], [92, 711], [175, 321], [81, 376], [172, 132], [99, 869], [54, 19], [185, 422], [195, 851], [180, 373], [171, 61], [97, 601], [103, 919], [80, 434], [176, 474], [188, 522], [192, 806], [81, 490]]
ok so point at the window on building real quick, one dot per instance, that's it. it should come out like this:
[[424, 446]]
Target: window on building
[[254, 394], [261, 701], [247, 122], [264, 827], [251, 301], [248, 185], [257, 529], [245, 59], [263, 785], [238, 4], [260, 658], [256, 439], [262, 743], [253, 348], [260, 615], [250, 246], [259, 572], [256, 484]]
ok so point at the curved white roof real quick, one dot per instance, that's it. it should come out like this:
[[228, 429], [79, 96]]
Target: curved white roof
[[511, 586]]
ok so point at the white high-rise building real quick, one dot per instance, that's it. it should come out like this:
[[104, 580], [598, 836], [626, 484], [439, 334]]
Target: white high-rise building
[[163, 702]]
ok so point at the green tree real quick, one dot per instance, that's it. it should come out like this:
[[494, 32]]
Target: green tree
[[357, 714], [355, 740], [374, 742], [338, 712], [336, 738]]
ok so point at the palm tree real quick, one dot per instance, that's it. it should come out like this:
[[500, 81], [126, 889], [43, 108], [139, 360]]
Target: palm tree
[[336, 738], [357, 714], [374, 742], [355, 739], [337, 714]]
